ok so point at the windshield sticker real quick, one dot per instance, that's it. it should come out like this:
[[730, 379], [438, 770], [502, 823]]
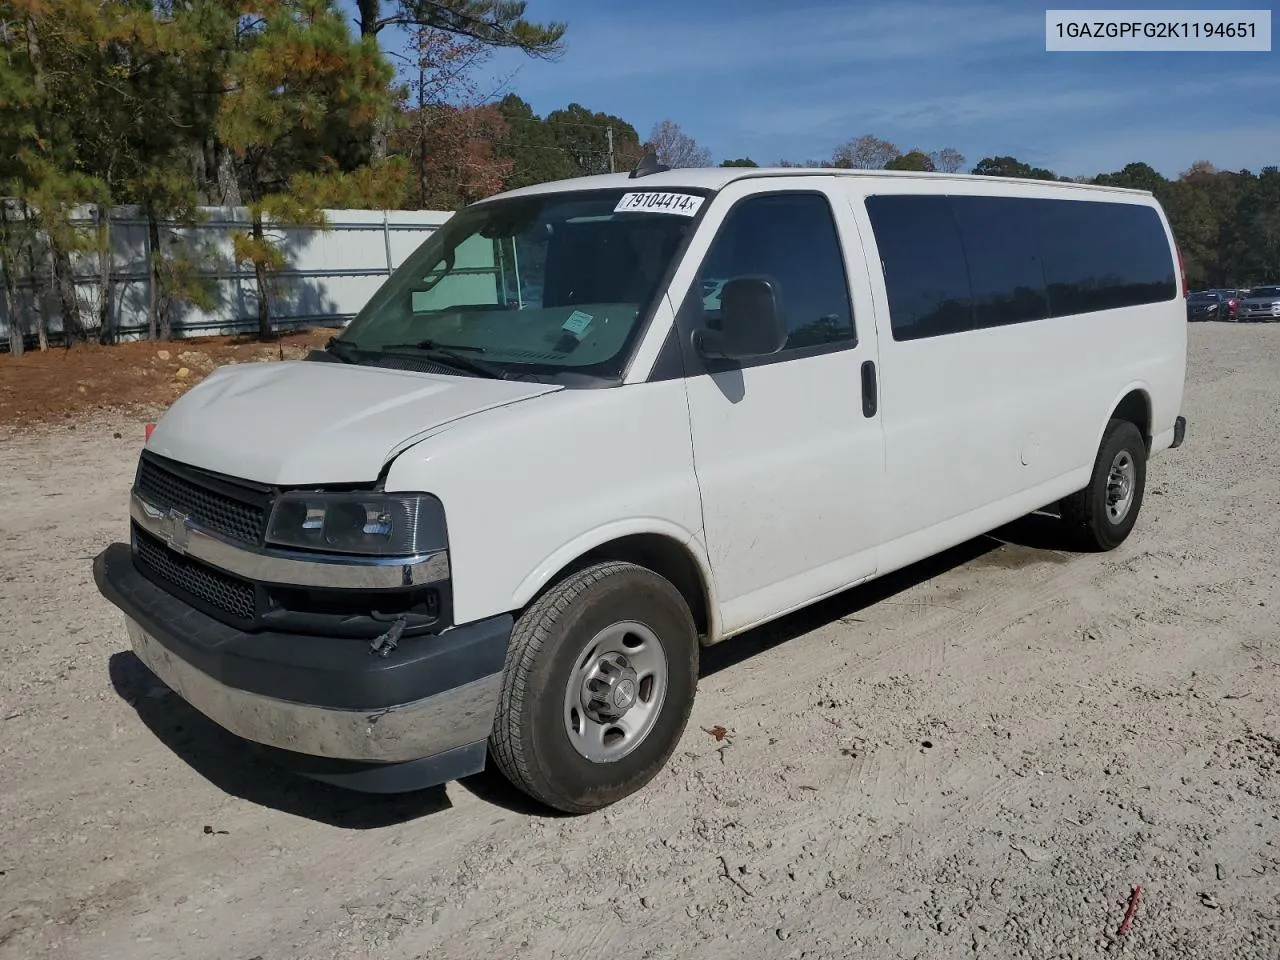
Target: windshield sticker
[[422, 301], [577, 323], [681, 204]]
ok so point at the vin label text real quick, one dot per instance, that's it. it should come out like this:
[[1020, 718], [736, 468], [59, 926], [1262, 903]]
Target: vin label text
[[1157, 30]]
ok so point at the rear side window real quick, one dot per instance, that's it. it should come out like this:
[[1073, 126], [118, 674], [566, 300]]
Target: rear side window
[[1004, 260], [1102, 256], [790, 238], [924, 266]]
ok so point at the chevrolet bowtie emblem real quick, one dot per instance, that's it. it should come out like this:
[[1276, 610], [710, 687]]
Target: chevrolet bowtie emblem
[[176, 530]]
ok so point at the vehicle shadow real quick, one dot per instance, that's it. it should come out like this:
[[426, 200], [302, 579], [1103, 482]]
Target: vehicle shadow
[[237, 767], [1036, 538], [492, 787]]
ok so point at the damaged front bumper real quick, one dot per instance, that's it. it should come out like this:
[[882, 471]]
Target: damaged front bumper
[[325, 706]]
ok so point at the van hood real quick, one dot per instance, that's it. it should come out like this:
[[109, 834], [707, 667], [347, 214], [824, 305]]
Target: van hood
[[302, 422]]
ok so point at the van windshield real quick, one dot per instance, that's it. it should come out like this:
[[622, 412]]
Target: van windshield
[[551, 287]]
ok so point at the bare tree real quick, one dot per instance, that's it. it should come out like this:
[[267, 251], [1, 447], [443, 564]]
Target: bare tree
[[1200, 170], [675, 148], [865, 153], [947, 160]]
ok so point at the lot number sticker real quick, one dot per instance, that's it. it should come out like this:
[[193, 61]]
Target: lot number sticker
[[681, 204], [577, 323]]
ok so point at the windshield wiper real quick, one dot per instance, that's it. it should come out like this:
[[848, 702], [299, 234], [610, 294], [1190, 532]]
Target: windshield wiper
[[434, 345], [454, 357]]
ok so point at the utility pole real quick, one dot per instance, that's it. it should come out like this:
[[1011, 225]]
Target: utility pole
[[608, 132], [422, 131]]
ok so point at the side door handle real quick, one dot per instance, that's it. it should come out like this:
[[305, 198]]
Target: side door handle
[[869, 403]]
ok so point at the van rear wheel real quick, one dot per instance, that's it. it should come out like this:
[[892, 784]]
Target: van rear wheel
[[1101, 516], [599, 682]]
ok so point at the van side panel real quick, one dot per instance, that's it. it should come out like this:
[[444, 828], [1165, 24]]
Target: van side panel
[[1169, 367], [985, 425], [788, 458]]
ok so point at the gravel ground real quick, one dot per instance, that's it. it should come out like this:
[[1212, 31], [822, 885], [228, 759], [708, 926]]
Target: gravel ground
[[984, 755]]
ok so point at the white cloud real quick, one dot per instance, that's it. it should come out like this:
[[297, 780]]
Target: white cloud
[[1039, 121], [631, 46], [1171, 149], [1033, 103]]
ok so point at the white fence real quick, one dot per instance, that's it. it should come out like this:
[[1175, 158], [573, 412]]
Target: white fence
[[329, 273]]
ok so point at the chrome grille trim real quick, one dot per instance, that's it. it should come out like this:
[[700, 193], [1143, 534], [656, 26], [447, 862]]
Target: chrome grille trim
[[183, 534]]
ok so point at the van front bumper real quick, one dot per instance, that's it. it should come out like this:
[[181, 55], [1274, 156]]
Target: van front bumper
[[326, 706]]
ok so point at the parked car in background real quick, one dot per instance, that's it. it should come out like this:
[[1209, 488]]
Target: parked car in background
[[1209, 305], [1234, 296], [1261, 306]]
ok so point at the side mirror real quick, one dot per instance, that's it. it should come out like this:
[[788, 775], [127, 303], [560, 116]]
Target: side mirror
[[752, 323]]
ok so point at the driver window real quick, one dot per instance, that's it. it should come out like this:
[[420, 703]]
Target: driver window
[[791, 239]]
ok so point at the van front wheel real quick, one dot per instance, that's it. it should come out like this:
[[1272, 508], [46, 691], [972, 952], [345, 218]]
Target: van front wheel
[[1102, 515], [598, 686]]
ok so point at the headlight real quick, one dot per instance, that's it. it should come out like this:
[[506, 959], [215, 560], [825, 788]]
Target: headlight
[[385, 525]]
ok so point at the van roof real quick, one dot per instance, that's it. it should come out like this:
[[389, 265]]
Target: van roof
[[716, 178]]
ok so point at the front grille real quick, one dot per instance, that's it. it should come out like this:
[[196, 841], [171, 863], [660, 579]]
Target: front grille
[[214, 588], [234, 518]]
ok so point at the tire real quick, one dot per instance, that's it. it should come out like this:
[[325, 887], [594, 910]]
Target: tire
[[538, 739], [1090, 521]]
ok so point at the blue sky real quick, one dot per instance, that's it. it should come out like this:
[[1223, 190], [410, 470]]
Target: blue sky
[[793, 78]]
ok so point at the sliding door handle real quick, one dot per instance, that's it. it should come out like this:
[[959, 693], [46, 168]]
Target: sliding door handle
[[869, 391]]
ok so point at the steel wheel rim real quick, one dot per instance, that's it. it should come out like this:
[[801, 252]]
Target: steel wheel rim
[[615, 692], [1122, 481]]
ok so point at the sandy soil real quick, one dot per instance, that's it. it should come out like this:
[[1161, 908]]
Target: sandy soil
[[981, 757]]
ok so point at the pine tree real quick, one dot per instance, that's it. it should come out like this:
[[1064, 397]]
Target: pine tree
[[304, 98], [487, 24], [50, 44]]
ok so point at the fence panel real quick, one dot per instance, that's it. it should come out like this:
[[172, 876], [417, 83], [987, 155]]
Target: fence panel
[[330, 273]]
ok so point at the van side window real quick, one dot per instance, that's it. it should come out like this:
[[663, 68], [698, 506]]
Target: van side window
[[790, 238], [924, 266], [1102, 256], [954, 263], [1005, 269]]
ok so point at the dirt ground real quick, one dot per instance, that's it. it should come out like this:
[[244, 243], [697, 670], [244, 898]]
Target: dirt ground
[[983, 756], [139, 379]]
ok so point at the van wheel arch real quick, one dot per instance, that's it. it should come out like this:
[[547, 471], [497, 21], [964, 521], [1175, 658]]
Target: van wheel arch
[[663, 555], [1135, 407]]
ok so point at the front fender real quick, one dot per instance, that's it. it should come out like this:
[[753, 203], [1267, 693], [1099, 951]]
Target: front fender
[[579, 546]]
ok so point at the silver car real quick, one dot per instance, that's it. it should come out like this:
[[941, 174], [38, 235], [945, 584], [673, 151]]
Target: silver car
[[1262, 305]]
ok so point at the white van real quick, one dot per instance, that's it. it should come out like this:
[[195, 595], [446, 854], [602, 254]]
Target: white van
[[592, 425]]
